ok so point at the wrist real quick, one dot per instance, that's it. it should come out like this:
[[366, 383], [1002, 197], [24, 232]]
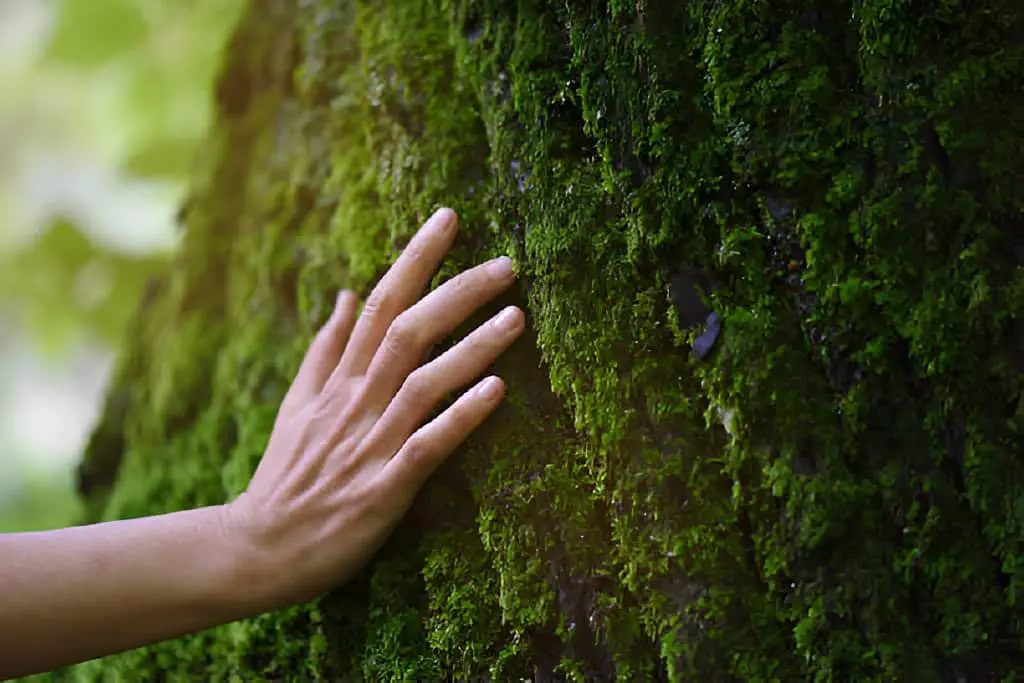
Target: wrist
[[241, 585], [255, 579]]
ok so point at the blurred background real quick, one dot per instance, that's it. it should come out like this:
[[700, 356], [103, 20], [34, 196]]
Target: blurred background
[[103, 105]]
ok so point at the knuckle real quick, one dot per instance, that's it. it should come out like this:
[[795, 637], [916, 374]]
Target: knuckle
[[380, 302], [418, 394], [415, 252], [462, 416], [417, 449], [401, 338], [324, 337], [462, 285], [476, 346]]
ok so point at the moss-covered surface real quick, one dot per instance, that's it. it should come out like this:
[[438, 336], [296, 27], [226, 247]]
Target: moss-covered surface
[[850, 177]]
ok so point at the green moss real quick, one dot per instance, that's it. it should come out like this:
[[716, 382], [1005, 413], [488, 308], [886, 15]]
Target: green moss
[[850, 176]]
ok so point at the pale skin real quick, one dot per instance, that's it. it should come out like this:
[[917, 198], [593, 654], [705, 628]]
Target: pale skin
[[351, 447]]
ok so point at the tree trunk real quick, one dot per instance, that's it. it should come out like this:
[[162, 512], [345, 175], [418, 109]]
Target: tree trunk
[[820, 480]]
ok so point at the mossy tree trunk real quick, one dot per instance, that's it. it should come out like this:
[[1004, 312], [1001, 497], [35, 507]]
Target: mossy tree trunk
[[845, 178]]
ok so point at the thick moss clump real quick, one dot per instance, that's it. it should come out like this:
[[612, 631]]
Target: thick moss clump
[[847, 181]]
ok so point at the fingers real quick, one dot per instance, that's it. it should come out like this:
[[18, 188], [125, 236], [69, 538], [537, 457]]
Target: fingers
[[399, 289], [416, 330], [453, 369], [435, 441], [325, 350]]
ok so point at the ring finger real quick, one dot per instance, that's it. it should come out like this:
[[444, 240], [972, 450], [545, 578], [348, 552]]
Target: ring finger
[[397, 290], [429, 321], [456, 367]]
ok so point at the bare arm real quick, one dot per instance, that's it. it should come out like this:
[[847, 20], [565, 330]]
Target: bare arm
[[84, 592], [347, 455]]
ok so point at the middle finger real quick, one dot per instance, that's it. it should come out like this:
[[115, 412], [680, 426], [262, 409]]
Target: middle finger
[[428, 385], [428, 322], [397, 290]]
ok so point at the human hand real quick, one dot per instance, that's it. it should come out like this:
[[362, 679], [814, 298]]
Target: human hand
[[348, 453]]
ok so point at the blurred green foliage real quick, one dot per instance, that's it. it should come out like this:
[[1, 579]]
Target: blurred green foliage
[[42, 503], [69, 286], [112, 109], [164, 54], [105, 105]]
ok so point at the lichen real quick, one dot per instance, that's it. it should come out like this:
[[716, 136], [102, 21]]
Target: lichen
[[849, 176]]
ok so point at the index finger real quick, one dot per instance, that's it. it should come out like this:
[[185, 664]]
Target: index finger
[[400, 287]]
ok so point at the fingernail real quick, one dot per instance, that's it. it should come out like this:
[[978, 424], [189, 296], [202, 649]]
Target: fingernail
[[491, 388], [501, 268], [446, 217], [508, 319], [342, 294], [339, 301]]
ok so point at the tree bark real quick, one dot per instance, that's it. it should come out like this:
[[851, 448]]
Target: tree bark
[[822, 481]]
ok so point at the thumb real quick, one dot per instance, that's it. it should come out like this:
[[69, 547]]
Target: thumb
[[325, 351]]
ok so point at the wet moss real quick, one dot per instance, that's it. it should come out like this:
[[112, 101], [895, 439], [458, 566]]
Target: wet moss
[[848, 175]]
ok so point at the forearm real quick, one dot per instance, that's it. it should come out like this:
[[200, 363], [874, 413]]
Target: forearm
[[85, 592]]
